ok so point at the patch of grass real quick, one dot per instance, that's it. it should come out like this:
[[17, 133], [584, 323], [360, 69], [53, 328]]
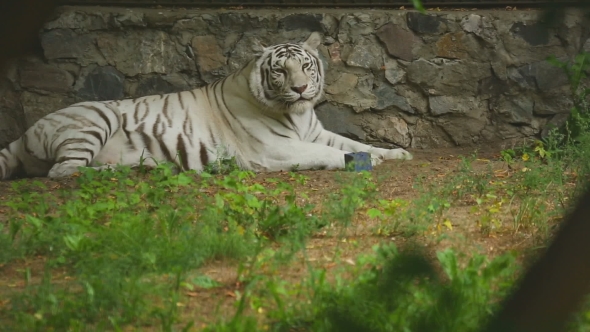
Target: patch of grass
[[127, 239], [393, 291], [123, 249]]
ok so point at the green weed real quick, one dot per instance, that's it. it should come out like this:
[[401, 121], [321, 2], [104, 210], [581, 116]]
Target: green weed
[[393, 291]]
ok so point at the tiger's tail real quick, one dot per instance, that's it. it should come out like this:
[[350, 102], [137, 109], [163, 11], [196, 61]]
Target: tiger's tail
[[10, 164]]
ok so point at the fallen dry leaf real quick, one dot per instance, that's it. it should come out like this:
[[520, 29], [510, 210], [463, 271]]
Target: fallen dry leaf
[[349, 261]]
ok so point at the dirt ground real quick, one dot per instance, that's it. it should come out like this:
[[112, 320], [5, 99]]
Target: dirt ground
[[395, 180]]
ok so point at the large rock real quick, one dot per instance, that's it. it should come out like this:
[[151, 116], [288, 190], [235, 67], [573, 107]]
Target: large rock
[[451, 46], [102, 83], [243, 21], [390, 129], [8, 98], [364, 54], [500, 70], [209, 54], [427, 135], [143, 52], [329, 25], [154, 85], [516, 110], [393, 72], [426, 24], [463, 117], [354, 27], [545, 75], [440, 105], [506, 132], [67, 44], [452, 78], [361, 98], [415, 99], [515, 75], [519, 50], [480, 26], [182, 81], [243, 50], [491, 87], [193, 24], [555, 101], [344, 83], [334, 53], [45, 77], [387, 97], [534, 34], [556, 122], [11, 126], [464, 130], [130, 18], [36, 106], [12, 123], [162, 18], [461, 45], [398, 42], [309, 22], [341, 120], [80, 20]]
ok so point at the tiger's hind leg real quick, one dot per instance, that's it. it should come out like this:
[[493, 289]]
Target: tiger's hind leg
[[11, 165], [78, 152], [66, 168], [78, 143]]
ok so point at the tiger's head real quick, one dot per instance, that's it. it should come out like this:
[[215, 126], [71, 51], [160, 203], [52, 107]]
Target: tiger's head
[[289, 78]]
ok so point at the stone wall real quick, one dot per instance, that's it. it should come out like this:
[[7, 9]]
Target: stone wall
[[394, 77]]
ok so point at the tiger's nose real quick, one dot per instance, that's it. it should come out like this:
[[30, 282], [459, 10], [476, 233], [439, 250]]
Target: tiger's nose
[[299, 89]]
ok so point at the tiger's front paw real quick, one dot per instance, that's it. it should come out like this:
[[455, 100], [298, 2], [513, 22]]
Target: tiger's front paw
[[61, 171], [376, 160], [398, 154]]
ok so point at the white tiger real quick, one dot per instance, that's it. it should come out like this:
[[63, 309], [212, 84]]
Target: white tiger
[[263, 115]]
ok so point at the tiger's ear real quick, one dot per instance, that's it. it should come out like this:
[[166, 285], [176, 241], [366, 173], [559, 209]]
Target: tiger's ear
[[258, 46], [313, 41]]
